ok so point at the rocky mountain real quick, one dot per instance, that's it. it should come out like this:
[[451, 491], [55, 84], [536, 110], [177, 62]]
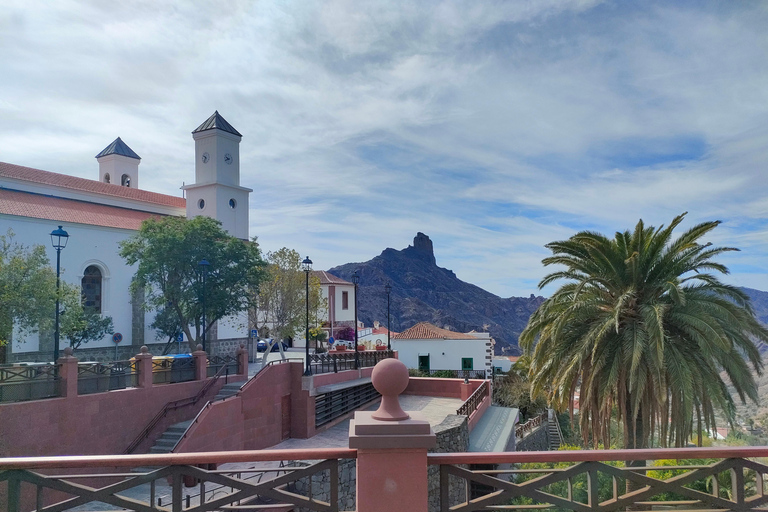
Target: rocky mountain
[[422, 291]]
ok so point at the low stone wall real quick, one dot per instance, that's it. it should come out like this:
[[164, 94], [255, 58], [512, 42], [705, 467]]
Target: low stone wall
[[536, 441], [452, 437]]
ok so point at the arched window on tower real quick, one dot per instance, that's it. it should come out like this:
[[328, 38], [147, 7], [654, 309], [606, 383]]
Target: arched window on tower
[[107, 178], [91, 289], [125, 181]]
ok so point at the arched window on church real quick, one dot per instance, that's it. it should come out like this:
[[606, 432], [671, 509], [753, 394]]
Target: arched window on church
[[125, 181], [106, 178], [91, 289]]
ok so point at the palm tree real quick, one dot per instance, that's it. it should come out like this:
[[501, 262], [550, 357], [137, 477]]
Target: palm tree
[[643, 330]]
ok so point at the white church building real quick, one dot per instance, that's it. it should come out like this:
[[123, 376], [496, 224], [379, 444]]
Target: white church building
[[98, 214]]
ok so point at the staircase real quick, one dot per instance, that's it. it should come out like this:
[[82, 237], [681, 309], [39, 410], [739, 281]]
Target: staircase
[[175, 432], [228, 390], [554, 436]]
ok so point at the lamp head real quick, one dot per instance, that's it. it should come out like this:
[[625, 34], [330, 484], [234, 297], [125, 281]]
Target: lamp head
[[355, 278], [306, 265], [388, 288], [59, 238]]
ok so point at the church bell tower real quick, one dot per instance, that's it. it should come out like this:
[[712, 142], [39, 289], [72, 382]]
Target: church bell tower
[[216, 192]]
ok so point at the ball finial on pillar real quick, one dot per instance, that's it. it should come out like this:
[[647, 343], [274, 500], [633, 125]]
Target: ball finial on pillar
[[390, 378]]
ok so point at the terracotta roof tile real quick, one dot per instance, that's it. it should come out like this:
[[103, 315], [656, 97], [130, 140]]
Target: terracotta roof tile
[[427, 331], [19, 172], [25, 204], [326, 278]]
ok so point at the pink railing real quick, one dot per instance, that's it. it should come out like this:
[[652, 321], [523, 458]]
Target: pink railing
[[582, 481]]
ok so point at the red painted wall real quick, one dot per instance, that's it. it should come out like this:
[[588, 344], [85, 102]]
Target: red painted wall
[[101, 423], [252, 419], [446, 388]]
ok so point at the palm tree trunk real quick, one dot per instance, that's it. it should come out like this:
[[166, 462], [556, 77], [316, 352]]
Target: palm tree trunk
[[633, 439]]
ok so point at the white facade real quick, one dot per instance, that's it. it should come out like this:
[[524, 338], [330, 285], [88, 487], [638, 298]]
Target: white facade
[[98, 214], [443, 350]]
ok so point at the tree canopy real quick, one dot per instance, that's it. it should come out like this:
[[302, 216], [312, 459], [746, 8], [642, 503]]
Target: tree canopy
[[27, 288], [168, 252], [642, 330], [282, 296]]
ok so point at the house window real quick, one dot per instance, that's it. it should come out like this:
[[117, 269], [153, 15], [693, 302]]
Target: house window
[[344, 300], [466, 363], [91, 289], [424, 362]]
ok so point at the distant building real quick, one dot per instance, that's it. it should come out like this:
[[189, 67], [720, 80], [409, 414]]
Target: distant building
[[98, 214], [340, 297], [428, 347], [504, 363], [376, 335]]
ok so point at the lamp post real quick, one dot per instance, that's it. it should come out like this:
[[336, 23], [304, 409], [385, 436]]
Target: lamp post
[[204, 269], [307, 266], [59, 239], [388, 289], [355, 280]]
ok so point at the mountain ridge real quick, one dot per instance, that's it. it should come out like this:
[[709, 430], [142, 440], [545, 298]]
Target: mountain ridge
[[423, 291]]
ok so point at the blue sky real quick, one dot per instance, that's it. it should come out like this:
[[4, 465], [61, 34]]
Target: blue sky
[[494, 127]]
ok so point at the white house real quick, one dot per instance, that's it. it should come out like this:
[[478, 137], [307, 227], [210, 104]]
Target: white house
[[98, 214], [428, 347], [340, 298]]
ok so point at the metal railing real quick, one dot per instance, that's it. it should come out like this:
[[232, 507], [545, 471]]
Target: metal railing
[[101, 377], [474, 400], [217, 362], [449, 374], [32, 382], [176, 474], [168, 370], [331, 405], [691, 479], [332, 362]]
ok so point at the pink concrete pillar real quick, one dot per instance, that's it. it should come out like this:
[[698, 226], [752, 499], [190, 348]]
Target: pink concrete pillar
[[466, 390], [242, 360], [144, 367], [67, 374], [201, 363], [391, 448]]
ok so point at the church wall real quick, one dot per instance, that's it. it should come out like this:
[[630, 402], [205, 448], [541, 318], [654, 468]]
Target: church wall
[[87, 245]]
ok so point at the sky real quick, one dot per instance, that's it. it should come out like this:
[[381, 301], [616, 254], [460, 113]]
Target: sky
[[493, 127]]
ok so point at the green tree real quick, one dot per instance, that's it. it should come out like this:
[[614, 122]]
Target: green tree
[[642, 329], [282, 296], [168, 252], [27, 289], [79, 324]]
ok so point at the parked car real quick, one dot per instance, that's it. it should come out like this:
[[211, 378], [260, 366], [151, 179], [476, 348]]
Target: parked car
[[261, 345]]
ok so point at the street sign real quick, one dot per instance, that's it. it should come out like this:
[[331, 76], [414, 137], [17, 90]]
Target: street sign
[[254, 333], [331, 341], [117, 337], [180, 337]]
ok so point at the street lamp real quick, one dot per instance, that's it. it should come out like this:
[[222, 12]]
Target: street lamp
[[204, 269], [355, 280], [59, 239], [307, 266], [388, 289]]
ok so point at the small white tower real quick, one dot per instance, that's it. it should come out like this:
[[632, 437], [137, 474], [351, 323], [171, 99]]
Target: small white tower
[[119, 165], [216, 192]]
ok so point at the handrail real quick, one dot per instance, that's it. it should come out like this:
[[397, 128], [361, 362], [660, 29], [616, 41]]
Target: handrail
[[743, 452], [174, 459], [473, 402], [170, 406]]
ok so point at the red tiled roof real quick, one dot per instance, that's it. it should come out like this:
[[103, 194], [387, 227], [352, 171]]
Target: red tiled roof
[[326, 278], [37, 206], [73, 183], [427, 331]]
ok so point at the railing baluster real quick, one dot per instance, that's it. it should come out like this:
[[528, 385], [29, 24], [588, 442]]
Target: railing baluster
[[176, 490]]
